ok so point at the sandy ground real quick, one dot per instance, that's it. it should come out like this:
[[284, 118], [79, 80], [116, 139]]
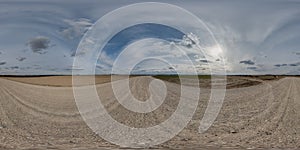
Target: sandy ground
[[66, 81], [46, 117], [58, 81]]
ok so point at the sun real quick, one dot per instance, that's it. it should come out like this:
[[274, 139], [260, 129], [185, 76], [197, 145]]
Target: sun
[[215, 51]]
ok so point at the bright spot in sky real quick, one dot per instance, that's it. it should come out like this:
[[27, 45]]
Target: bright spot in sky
[[215, 51]]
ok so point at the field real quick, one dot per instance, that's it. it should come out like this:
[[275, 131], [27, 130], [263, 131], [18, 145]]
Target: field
[[204, 80], [258, 112]]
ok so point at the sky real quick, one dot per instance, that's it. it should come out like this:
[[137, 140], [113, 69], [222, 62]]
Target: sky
[[40, 37]]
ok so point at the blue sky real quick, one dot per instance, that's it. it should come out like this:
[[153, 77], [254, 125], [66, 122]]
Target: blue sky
[[256, 37]]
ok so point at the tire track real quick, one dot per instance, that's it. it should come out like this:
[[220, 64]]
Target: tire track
[[265, 115]]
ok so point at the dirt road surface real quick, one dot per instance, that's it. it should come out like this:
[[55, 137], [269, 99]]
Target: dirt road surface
[[44, 117]]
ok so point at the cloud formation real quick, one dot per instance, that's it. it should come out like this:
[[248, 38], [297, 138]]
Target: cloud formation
[[295, 64], [280, 65], [39, 44], [76, 28], [247, 62], [204, 61], [268, 36], [21, 58], [252, 68], [285, 65], [2, 63], [14, 67]]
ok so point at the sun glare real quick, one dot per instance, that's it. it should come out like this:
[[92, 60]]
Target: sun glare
[[216, 51]]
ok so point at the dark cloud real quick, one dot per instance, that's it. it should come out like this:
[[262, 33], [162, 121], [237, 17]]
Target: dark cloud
[[252, 68], [99, 67], [280, 65], [74, 53], [247, 62], [14, 67], [2, 63], [204, 61], [38, 44], [71, 69], [277, 65], [21, 58], [284, 65], [297, 53], [294, 64]]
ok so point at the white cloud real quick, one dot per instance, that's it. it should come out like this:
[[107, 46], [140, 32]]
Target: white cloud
[[263, 31], [76, 28], [175, 54]]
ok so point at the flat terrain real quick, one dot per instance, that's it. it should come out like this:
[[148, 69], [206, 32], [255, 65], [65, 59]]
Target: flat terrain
[[204, 81], [58, 81], [41, 113]]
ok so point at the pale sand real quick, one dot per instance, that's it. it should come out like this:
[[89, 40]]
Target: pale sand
[[46, 117]]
